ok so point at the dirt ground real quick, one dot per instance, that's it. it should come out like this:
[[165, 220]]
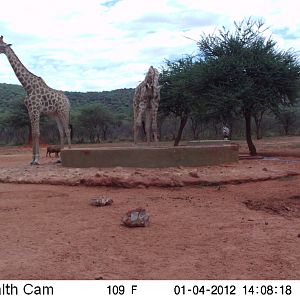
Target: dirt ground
[[235, 221]]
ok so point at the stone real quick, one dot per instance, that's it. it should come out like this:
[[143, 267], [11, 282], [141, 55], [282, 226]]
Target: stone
[[101, 201], [118, 169], [194, 174], [136, 218], [99, 174]]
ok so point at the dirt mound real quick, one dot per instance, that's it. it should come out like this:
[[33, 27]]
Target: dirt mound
[[289, 208], [15, 169]]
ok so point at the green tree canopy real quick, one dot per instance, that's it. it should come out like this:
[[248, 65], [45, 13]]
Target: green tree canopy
[[177, 94], [244, 72], [95, 120]]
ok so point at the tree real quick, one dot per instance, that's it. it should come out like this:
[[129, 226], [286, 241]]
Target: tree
[[177, 94], [95, 120], [17, 117], [258, 114], [199, 119], [245, 73], [286, 117]]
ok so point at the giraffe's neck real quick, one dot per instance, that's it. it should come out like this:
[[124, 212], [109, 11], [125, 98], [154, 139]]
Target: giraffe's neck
[[25, 77], [155, 79]]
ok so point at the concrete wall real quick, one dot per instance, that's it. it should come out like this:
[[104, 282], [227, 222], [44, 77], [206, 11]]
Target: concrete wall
[[146, 157]]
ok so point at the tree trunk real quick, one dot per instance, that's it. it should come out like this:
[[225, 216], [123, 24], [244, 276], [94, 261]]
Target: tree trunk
[[183, 121], [252, 149], [104, 132], [231, 129], [258, 120], [258, 134], [286, 128], [258, 129], [194, 127]]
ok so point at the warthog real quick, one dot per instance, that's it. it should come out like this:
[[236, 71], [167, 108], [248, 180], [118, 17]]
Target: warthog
[[53, 149]]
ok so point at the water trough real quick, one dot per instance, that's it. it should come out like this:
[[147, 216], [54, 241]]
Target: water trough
[[142, 156]]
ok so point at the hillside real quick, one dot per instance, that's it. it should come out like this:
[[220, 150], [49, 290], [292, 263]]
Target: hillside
[[9, 93], [117, 101]]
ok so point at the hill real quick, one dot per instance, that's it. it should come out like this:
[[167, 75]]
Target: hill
[[117, 101]]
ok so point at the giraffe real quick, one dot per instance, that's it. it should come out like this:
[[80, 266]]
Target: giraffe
[[40, 99], [146, 100]]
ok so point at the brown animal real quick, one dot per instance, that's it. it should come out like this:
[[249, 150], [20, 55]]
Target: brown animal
[[53, 149]]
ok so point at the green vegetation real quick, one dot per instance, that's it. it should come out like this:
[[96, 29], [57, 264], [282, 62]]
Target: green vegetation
[[237, 75], [239, 78], [177, 95], [94, 115]]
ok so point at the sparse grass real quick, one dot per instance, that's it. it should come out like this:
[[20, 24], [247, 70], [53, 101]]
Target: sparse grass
[[295, 145], [288, 178]]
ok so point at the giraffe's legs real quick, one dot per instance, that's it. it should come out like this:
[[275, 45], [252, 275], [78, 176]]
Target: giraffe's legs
[[148, 125], [35, 127], [154, 126], [135, 132], [61, 131], [138, 122], [136, 127], [67, 130], [63, 128], [154, 105]]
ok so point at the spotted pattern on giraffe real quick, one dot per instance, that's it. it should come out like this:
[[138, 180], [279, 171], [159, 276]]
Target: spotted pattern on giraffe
[[145, 105], [40, 99]]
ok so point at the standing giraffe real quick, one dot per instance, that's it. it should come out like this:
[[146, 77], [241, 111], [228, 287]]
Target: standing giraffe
[[146, 100], [40, 99]]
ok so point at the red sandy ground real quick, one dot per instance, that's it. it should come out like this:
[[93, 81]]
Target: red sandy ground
[[236, 221]]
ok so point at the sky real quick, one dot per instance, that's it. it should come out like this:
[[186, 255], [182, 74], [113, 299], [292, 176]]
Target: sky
[[102, 45]]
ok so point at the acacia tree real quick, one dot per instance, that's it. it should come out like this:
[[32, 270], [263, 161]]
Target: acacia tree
[[245, 72], [95, 122], [258, 117], [177, 94], [286, 117]]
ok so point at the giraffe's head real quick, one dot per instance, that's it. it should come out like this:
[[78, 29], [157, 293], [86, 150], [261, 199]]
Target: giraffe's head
[[3, 46], [152, 80], [149, 77]]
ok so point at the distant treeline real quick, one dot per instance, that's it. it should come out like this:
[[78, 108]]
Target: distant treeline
[[95, 116], [107, 117], [118, 101]]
